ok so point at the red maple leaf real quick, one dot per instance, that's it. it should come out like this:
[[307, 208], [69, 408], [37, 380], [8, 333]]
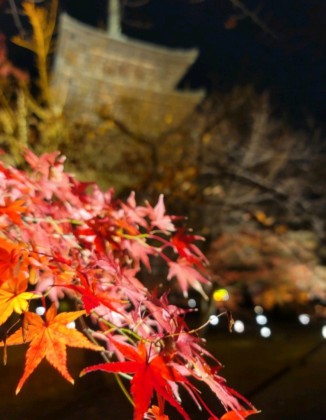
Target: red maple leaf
[[91, 296], [169, 317], [183, 243], [150, 374], [158, 217], [187, 276]]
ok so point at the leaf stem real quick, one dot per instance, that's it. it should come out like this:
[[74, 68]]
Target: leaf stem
[[123, 389]]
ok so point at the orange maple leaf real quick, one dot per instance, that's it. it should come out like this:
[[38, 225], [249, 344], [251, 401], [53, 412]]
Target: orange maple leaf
[[238, 415], [48, 339], [156, 411], [14, 298], [13, 209], [13, 260]]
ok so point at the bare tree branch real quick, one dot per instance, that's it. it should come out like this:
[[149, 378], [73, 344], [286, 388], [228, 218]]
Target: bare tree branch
[[253, 16], [15, 15]]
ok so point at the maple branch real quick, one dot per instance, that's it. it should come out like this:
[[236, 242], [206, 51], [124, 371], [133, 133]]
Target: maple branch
[[105, 357], [123, 388], [124, 331]]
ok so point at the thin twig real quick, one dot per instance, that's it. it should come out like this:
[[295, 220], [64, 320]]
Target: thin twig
[[253, 16], [15, 15]]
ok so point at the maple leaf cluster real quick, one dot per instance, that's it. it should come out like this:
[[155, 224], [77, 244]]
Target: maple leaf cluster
[[65, 239]]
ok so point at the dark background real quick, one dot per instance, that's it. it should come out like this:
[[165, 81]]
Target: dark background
[[283, 376], [234, 50]]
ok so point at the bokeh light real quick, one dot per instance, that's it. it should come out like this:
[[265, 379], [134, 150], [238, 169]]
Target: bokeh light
[[192, 303], [221, 295], [261, 319], [265, 332], [304, 319], [213, 320], [40, 310], [238, 326], [323, 331], [258, 309]]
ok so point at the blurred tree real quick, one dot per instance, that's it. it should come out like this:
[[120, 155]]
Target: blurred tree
[[263, 201], [273, 269], [238, 172], [255, 161]]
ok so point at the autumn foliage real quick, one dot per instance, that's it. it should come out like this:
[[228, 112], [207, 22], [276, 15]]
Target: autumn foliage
[[65, 240]]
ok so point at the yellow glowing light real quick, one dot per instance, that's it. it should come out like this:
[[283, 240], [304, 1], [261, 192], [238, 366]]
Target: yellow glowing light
[[220, 295]]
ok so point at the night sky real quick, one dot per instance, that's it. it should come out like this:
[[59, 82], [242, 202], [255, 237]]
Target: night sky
[[290, 64]]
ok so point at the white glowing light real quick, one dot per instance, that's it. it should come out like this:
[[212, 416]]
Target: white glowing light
[[258, 309], [71, 325], [192, 303], [213, 320], [304, 319], [239, 326], [261, 319], [40, 310], [323, 331], [265, 332]]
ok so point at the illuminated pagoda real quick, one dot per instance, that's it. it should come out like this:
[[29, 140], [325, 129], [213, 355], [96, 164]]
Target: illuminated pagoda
[[135, 81]]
